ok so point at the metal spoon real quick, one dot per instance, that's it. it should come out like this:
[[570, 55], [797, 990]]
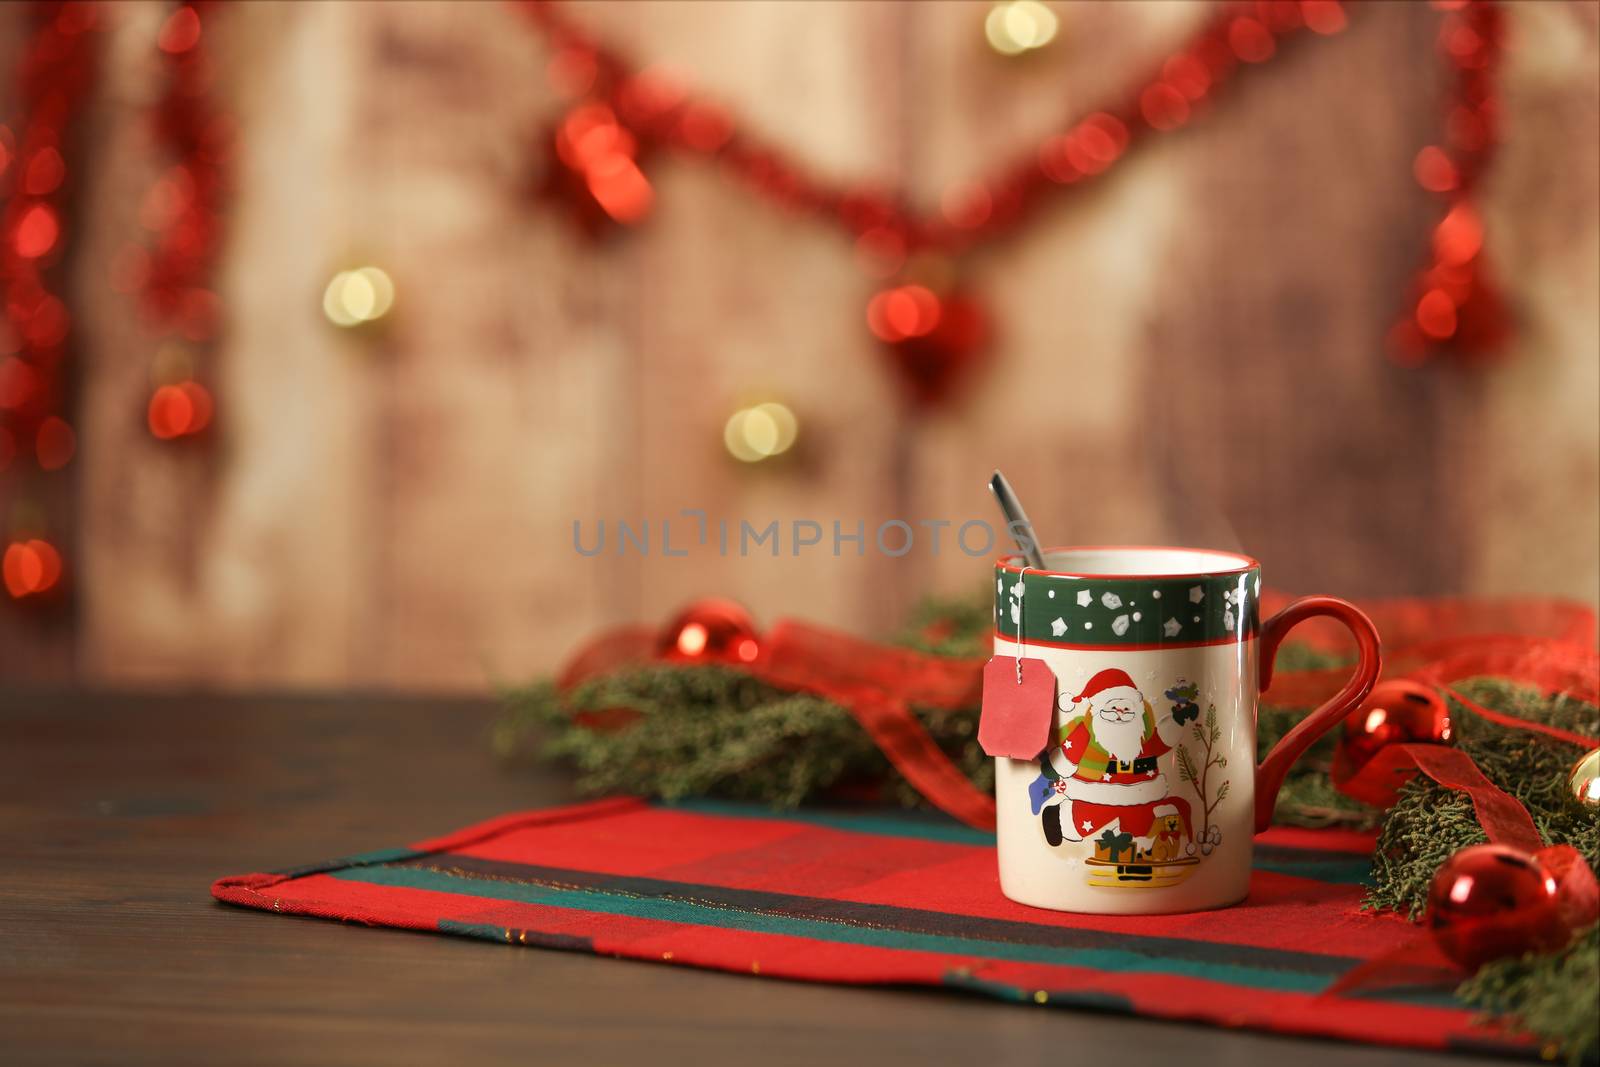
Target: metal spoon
[[1016, 520]]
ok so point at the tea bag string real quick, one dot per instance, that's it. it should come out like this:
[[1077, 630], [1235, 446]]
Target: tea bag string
[[1022, 619]]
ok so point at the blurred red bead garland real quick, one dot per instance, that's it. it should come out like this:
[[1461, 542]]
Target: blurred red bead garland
[[1455, 306], [932, 328], [172, 279], [56, 75], [183, 210], [933, 331]]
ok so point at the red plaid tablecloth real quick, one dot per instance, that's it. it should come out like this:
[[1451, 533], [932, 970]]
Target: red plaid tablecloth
[[887, 898]]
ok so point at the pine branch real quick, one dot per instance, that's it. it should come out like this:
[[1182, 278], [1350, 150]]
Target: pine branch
[[1549, 996]]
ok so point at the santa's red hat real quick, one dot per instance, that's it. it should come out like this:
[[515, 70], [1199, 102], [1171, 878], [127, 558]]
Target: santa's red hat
[[1111, 682]]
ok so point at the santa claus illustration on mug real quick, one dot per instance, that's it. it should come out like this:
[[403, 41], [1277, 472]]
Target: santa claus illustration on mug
[[1104, 782]]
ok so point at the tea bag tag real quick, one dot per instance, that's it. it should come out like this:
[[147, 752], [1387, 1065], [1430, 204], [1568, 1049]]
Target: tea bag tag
[[1019, 700], [1019, 697]]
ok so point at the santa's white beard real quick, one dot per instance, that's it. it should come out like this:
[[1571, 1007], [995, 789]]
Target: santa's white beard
[[1123, 740]]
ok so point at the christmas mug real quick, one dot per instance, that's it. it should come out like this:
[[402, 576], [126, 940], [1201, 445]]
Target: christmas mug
[[1121, 709]]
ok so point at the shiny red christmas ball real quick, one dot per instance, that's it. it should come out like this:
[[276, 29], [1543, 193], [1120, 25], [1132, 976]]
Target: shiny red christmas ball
[[1395, 711], [710, 631], [1489, 901]]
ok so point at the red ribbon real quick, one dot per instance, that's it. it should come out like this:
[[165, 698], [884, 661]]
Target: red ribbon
[[1548, 644], [1500, 814], [877, 685]]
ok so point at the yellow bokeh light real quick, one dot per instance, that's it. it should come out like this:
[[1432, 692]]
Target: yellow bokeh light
[[357, 296], [785, 425], [760, 432], [382, 290], [1017, 26]]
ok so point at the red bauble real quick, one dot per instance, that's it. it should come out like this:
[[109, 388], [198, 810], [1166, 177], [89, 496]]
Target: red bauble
[[710, 631], [1395, 711], [1489, 901], [932, 340]]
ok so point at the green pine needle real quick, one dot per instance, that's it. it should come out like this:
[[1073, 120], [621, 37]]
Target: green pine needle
[[1551, 997]]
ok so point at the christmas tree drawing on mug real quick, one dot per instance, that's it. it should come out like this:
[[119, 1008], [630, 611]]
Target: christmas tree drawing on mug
[[1102, 783]]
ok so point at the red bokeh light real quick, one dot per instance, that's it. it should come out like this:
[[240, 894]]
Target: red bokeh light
[[1250, 40], [1435, 171], [169, 412], [1056, 162], [180, 32], [1323, 16], [967, 205], [1188, 75], [47, 323], [1459, 237], [35, 232], [592, 143], [589, 132], [620, 187], [20, 384], [704, 128], [903, 312], [200, 406], [45, 172], [1436, 314], [55, 444], [648, 94], [179, 410], [1164, 107], [31, 567]]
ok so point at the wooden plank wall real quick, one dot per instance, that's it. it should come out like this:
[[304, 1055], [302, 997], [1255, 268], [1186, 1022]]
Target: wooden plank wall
[[1190, 351]]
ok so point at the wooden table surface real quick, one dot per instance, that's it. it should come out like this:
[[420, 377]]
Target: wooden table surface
[[117, 812]]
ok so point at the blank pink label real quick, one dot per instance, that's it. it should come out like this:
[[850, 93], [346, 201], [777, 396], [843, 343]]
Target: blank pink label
[[1015, 721]]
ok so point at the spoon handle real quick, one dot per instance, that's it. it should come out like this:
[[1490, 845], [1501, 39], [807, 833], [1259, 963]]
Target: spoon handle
[[1017, 523]]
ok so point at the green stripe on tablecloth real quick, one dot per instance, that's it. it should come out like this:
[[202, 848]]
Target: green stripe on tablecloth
[[1339, 868], [1314, 972]]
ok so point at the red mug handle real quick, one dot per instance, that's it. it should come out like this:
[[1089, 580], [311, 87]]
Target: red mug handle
[[1270, 775]]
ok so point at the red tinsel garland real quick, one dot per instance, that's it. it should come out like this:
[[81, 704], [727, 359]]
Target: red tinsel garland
[[933, 333], [1454, 303], [183, 209], [54, 81], [625, 112]]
